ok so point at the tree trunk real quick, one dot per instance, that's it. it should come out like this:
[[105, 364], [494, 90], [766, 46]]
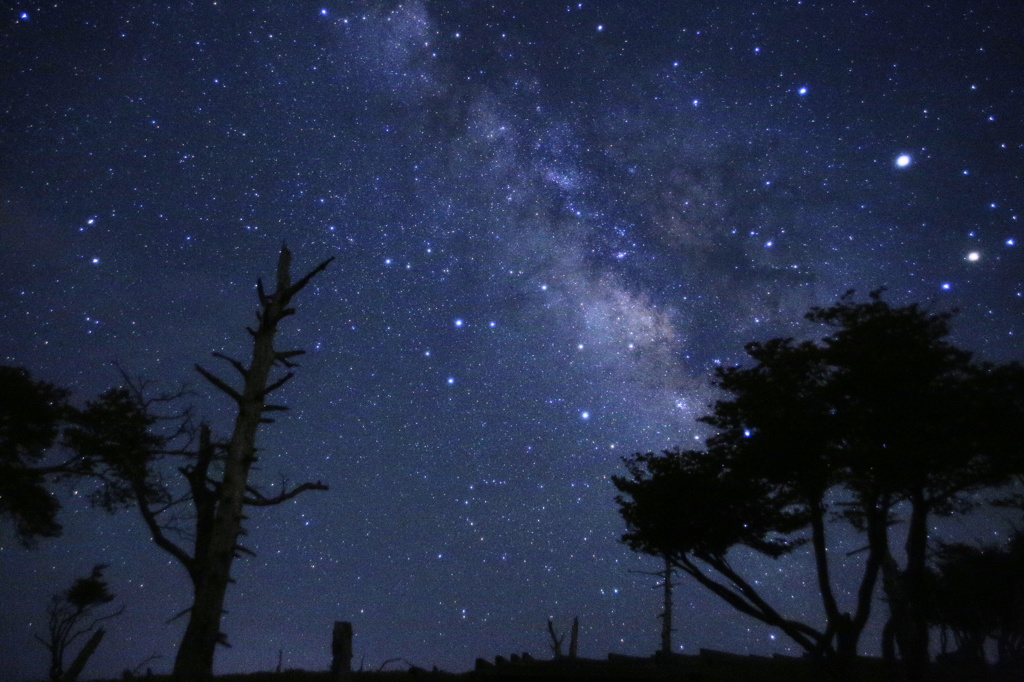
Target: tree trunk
[[194, 660], [666, 613], [78, 665], [556, 641], [212, 568], [837, 624], [915, 651]]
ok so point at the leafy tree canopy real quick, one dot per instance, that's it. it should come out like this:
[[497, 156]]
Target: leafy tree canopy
[[31, 415], [883, 409]]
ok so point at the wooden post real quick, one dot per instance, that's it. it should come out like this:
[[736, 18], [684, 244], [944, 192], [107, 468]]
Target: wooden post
[[341, 651]]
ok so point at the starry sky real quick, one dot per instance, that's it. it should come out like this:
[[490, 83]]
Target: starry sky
[[551, 222]]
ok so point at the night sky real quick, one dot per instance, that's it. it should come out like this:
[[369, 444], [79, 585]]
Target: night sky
[[551, 222]]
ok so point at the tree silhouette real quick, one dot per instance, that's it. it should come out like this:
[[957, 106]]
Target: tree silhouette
[[918, 423], [73, 614], [885, 410], [684, 506], [31, 416], [119, 435], [778, 428], [977, 593], [41, 442]]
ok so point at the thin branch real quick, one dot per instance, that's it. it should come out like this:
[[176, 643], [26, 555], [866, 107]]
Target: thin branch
[[257, 499], [295, 288], [152, 657], [234, 363], [178, 615], [745, 599], [278, 384], [235, 395], [65, 467], [138, 388], [156, 530], [69, 639]]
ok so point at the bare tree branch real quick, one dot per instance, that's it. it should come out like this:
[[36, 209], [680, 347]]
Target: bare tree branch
[[242, 549], [298, 286], [157, 531], [234, 363], [278, 384], [284, 357], [255, 498], [178, 615], [216, 381]]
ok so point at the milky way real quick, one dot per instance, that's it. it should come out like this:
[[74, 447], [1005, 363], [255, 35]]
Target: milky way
[[551, 222]]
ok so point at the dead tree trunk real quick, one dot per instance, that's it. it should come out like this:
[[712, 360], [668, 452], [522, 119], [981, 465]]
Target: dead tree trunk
[[666, 613], [556, 641], [210, 567], [78, 665]]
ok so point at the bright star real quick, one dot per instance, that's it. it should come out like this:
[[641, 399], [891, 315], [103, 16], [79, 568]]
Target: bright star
[[903, 160], [584, 415], [459, 322], [973, 256]]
